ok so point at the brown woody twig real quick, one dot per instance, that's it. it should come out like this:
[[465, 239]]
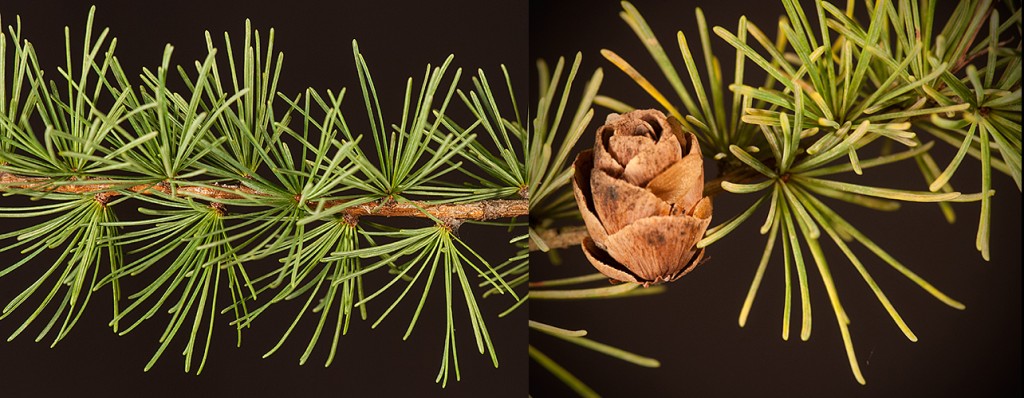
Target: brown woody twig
[[563, 237], [105, 190]]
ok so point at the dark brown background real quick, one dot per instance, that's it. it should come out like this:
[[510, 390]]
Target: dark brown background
[[692, 328], [398, 38]]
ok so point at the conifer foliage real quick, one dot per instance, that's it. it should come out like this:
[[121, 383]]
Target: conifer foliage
[[241, 197]]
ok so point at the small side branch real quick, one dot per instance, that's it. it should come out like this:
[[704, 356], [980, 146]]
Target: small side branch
[[564, 237], [479, 210], [561, 238]]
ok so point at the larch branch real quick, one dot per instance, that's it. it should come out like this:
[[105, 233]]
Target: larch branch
[[105, 190]]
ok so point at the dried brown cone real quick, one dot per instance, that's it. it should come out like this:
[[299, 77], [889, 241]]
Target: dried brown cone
[[640, 191]]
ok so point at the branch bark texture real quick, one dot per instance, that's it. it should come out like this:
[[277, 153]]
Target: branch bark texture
[[105, 190]]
